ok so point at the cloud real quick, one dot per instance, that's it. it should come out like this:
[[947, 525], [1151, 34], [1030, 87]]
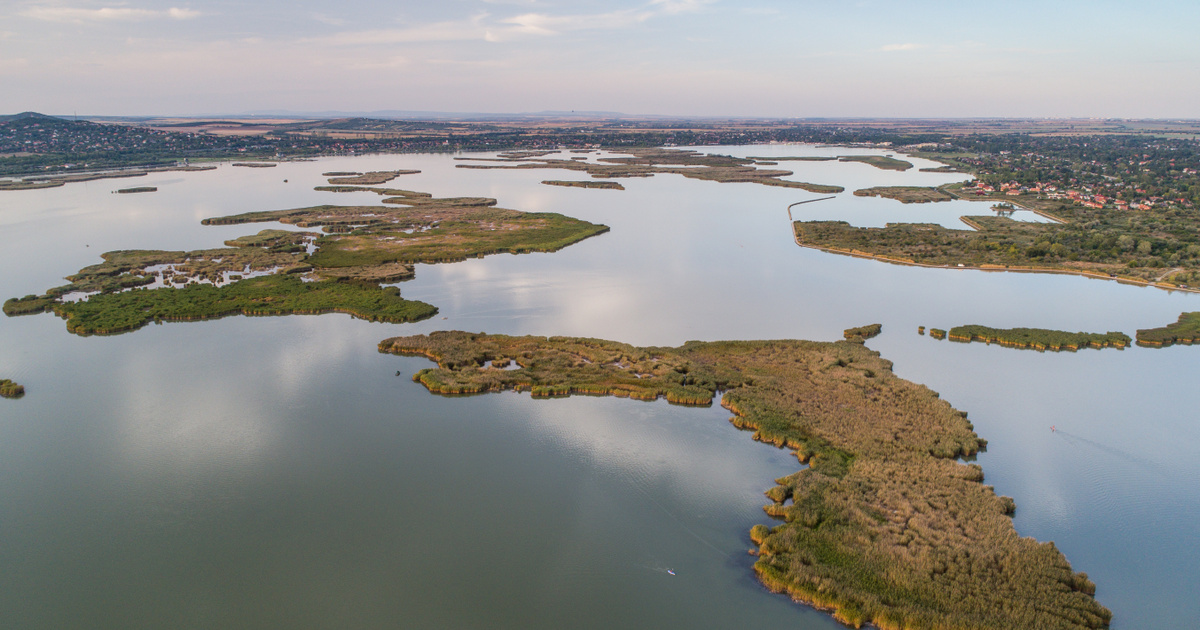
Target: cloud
[[330, 20], [106, 14], [13, 64], [901, 47], [673, 7], [543, 24], [472, 29], [182, 14], [486, 27]]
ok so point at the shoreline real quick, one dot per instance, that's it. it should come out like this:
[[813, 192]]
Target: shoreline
[[885, 523], [993, 268]]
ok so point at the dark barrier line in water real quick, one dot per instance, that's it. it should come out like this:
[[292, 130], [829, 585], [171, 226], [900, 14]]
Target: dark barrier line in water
[[1116, 452], [799, 203]]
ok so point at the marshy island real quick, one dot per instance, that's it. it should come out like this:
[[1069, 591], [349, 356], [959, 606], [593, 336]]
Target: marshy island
[[11, 389], [884, 525], [340, 268], [647, 162], [1034, 338]]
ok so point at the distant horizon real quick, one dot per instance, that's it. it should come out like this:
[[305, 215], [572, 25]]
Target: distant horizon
[[760, 59], [588, 114]]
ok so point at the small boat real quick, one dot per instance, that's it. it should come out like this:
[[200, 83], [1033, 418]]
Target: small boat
[[670, 572]]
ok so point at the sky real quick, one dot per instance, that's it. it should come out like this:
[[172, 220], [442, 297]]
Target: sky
[[749, 58]]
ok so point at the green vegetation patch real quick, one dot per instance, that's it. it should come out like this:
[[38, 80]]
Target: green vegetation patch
[[138, 189], [799, 158], [30, 184], [584, 184], [884, 526], [279, 294], [862, 333], [418, 228], [54, 181], [1001, 243], [28, 305], [1039, 338], [9, 389], [885, 162], [906, 194], [1185, 331], [362, 247], [369, 179]]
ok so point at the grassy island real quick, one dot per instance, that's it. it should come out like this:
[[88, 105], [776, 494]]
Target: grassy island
[[112, 313], [367, 179], [945, 168], [256, 164], [279, 272], [1038, 338], [884, 526], [54, 181], [885, 162], [796, 158], [418, 228], [9, 389], [650, 162], [906, 194], [862, 333], [138, 189], [584, 184], [1185, 331]]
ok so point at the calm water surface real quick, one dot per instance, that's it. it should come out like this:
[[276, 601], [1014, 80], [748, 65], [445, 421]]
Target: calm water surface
[[248, 472]]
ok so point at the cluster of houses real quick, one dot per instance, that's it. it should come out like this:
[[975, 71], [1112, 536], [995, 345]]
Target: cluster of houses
[[1085, 197]]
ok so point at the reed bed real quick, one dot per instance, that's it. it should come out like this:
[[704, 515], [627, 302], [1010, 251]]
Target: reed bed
[[1185, 331], [1038, 338], [362, 247], [583, 184], [369, 179], [906, 194], [10, 389], [862, 333], [647, 162], [885, 162], [282, 294], [884, 526]]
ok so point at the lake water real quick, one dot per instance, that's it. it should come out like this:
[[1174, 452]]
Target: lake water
[[251, 472]]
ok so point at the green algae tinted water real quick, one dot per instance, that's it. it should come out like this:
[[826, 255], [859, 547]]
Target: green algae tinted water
[[252, 472]]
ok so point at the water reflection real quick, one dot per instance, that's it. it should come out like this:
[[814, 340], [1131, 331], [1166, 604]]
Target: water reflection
[[271, 471]]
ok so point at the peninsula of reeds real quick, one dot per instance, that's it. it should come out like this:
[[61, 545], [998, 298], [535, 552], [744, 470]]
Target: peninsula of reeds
[[906, 194], [862, 333], [1185, 331], [884, 526], [884, 162]]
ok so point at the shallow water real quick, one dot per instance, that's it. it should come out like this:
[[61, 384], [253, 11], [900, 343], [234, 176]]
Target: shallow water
[[277, 471]]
